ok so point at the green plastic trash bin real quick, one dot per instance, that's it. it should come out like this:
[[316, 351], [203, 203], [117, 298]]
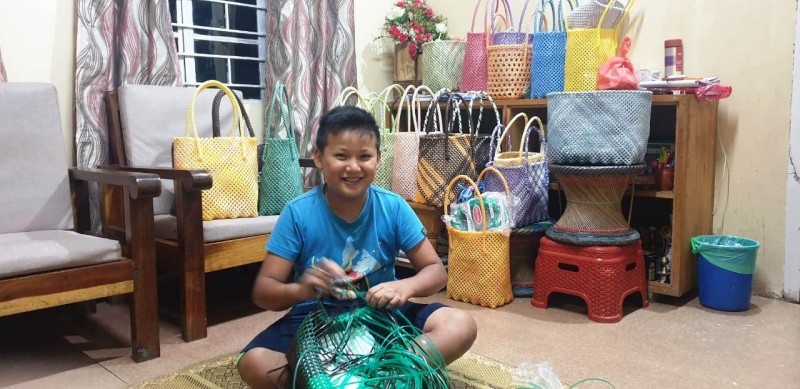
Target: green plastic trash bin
[[725, 266]]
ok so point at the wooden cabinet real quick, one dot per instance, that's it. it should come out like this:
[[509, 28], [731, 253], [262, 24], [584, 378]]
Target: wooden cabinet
[[690, 125]]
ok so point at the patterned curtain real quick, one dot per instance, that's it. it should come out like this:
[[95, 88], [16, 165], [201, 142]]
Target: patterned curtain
[[117, 42], [310, 49], [3, 77]]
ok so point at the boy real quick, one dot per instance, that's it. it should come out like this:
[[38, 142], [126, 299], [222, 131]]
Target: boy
[[347, 228]]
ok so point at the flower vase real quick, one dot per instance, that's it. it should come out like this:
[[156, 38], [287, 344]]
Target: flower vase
[[407, 70]]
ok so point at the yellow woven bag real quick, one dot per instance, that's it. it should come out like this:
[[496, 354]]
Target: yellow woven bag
[[231, 161], [587, 49], [479, 269]]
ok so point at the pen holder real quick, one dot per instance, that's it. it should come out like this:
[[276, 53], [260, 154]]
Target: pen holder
[[665, 178]]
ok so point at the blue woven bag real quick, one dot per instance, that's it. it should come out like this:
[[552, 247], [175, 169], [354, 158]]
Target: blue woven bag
[[548, 52]]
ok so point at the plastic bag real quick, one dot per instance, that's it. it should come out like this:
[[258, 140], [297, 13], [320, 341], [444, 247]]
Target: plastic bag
[[731, 253], [617, 73], [466, 215], [713, 92], [528, 375]]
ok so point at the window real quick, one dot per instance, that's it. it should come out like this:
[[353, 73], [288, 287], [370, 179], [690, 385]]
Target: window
[[221, 40]]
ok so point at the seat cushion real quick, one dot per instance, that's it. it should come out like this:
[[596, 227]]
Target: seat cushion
[[34, 194], [166, 227], [152, 115], [38, 251]]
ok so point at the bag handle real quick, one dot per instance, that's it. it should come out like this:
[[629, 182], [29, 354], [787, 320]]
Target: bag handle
[[191, 125], [507, 16], [286, 122], [478, 195], [347, 93], [381, 99], [405, 98], [488, 37], [415, 113], [522, 15], [522, 115], [485, 12], [621, 17], [523, 146], [215, 115]]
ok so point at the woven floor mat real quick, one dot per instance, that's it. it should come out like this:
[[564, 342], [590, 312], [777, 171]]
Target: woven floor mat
[[469, 372]]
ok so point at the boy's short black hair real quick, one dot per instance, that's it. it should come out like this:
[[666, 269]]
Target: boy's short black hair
[[347, 118]]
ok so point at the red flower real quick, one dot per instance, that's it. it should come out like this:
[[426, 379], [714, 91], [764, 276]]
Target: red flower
[[402, 37], [412, 50], [401, 4], [418, 3], [429, 12]]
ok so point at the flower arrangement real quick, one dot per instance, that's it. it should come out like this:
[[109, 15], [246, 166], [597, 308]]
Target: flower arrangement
[[414, 22]]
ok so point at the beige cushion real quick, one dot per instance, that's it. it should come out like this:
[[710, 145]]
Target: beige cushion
[[38, 251], [151, 116], [166, 227], [34, 194]]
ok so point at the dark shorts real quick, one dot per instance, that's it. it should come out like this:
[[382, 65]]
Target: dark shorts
[[279, 335]]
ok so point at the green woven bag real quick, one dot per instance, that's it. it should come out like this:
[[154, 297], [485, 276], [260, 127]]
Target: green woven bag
[[383, 116], [281, 178]]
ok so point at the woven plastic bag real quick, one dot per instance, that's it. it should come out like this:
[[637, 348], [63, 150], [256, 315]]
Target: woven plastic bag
[[478, 261], [442, 64], [382, 113], [617, 73], [481, 142], [526, 174], [231, 161], [587, 49], [281, 179], [548, 52], [443, 154], [473, 72], [511, 35], [509, 68], [406, 146]]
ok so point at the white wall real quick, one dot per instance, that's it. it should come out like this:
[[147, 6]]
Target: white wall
[[38, 46], [791, 278]]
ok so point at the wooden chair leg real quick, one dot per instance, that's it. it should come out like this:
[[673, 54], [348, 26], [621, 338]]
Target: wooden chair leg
[[145, 342], [192, 267]]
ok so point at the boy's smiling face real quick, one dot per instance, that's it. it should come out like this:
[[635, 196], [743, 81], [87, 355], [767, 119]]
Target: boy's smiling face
[[348, 163]]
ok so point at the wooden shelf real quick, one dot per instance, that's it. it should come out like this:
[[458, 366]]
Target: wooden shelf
[[659, 194], [661, 288]]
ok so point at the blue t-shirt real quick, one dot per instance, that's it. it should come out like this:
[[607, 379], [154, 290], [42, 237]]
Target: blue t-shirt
[[308, 231]]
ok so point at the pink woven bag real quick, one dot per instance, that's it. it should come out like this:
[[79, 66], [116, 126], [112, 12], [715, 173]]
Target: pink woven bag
[[474, 74]]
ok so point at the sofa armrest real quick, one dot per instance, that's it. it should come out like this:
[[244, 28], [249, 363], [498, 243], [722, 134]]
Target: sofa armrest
[[138, 184], [196, 180]]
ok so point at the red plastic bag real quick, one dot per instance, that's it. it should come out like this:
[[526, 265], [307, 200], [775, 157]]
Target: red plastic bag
[[617, 73]]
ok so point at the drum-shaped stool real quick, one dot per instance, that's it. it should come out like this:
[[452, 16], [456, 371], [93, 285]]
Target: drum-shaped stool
[[603, 276], [593, 215]]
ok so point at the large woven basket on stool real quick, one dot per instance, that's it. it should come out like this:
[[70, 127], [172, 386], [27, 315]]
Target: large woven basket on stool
[[602, 276], [593, 215], [598, 127]]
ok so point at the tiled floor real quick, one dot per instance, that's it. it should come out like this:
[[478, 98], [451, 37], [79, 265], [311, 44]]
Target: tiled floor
[[671, 344]]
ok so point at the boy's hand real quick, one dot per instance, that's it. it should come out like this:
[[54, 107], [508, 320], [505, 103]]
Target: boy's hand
[[388, 295], [322, 275]]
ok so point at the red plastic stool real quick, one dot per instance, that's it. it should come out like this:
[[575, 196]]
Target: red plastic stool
[[603, 276]]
